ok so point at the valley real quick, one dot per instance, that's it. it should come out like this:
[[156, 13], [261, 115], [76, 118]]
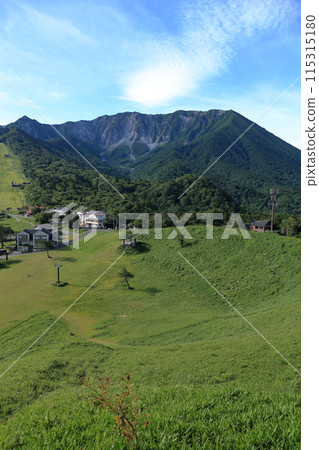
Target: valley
[[181, 344]]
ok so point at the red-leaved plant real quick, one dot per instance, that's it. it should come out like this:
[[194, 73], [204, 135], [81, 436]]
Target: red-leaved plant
[[123, 405]]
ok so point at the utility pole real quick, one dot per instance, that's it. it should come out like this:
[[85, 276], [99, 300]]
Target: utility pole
[[272, 204]]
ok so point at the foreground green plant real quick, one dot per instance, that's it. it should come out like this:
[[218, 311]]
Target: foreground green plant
[[123, 405]]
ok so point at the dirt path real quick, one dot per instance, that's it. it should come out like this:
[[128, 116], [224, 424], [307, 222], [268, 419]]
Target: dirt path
[[18, 219]]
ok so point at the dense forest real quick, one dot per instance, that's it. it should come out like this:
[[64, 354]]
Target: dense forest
[[59, 177], [255, 163]]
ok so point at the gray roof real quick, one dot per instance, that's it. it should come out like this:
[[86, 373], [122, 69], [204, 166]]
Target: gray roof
[[45, 226], [32, 232], [260, 223]]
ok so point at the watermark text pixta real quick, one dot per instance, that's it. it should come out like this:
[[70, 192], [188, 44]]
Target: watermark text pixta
[[126, 219]]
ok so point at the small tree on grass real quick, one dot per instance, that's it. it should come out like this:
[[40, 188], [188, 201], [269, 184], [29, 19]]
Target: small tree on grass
[[181, 240], [125, 274], [47, 246]]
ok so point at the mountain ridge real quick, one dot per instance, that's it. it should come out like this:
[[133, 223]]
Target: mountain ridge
[[139, 132], [162, 147]]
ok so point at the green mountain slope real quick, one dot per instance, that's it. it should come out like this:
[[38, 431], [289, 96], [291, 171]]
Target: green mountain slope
[[207, 379], [10, 172], [257, 162], [166, 146], [59, 176]]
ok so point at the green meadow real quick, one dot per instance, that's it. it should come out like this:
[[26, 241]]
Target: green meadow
[[17, 223], [204, 376], [10, 171]]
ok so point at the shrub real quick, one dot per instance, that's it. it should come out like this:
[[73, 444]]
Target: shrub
[[123, 405]]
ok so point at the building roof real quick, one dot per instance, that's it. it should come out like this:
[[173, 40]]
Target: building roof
[[58, 209], [32, 232], [45, 226], [260, 223], [43, 230], [95, 213]]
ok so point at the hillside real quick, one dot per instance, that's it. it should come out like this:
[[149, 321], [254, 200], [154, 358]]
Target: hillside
[[207, 379], [257, 162], [10, 171], [166, 146], [60, 176]]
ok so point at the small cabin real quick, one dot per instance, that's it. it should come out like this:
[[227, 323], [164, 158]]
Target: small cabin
[[260, 225]]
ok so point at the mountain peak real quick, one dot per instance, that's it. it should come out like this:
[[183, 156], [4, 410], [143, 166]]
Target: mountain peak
[[133, 133]]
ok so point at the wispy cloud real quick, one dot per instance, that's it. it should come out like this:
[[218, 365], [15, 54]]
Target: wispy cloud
[[210, 35], [60, 30]]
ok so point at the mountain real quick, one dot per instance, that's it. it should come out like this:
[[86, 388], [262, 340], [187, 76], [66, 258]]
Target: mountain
[[166, 146], [125, 137], [59, 177]]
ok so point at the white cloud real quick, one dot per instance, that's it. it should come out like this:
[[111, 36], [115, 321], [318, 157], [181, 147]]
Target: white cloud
[[159, 83], [210, 33]]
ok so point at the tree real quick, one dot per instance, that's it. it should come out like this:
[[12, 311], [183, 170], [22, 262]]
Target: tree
[[181, 240], [289, 227], [35, 210], [43, 217], [4, 232], [124, 273], [47, 245]]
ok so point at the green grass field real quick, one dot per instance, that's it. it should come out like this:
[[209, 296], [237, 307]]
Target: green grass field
[[206, 378], [17, 224], [10, 171]]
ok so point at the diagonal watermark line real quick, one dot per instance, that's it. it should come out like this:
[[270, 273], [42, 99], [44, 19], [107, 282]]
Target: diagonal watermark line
[[239, 313], [58, 132], [61, 315], [239, 137]]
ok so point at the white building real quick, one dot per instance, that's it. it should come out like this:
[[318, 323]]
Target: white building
[[92, 219]]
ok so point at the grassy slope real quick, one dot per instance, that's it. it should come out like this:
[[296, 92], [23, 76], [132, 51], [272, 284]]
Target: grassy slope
[[19, 223], [10, 170], [187, 351]]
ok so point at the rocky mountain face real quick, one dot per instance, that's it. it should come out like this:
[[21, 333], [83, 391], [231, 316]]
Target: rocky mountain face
[[125, 137]]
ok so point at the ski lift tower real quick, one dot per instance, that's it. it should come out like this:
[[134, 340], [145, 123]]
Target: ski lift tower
[[58, 265], [272, 204]]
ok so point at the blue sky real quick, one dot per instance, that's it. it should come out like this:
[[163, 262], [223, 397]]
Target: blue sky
[[79, 60]]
